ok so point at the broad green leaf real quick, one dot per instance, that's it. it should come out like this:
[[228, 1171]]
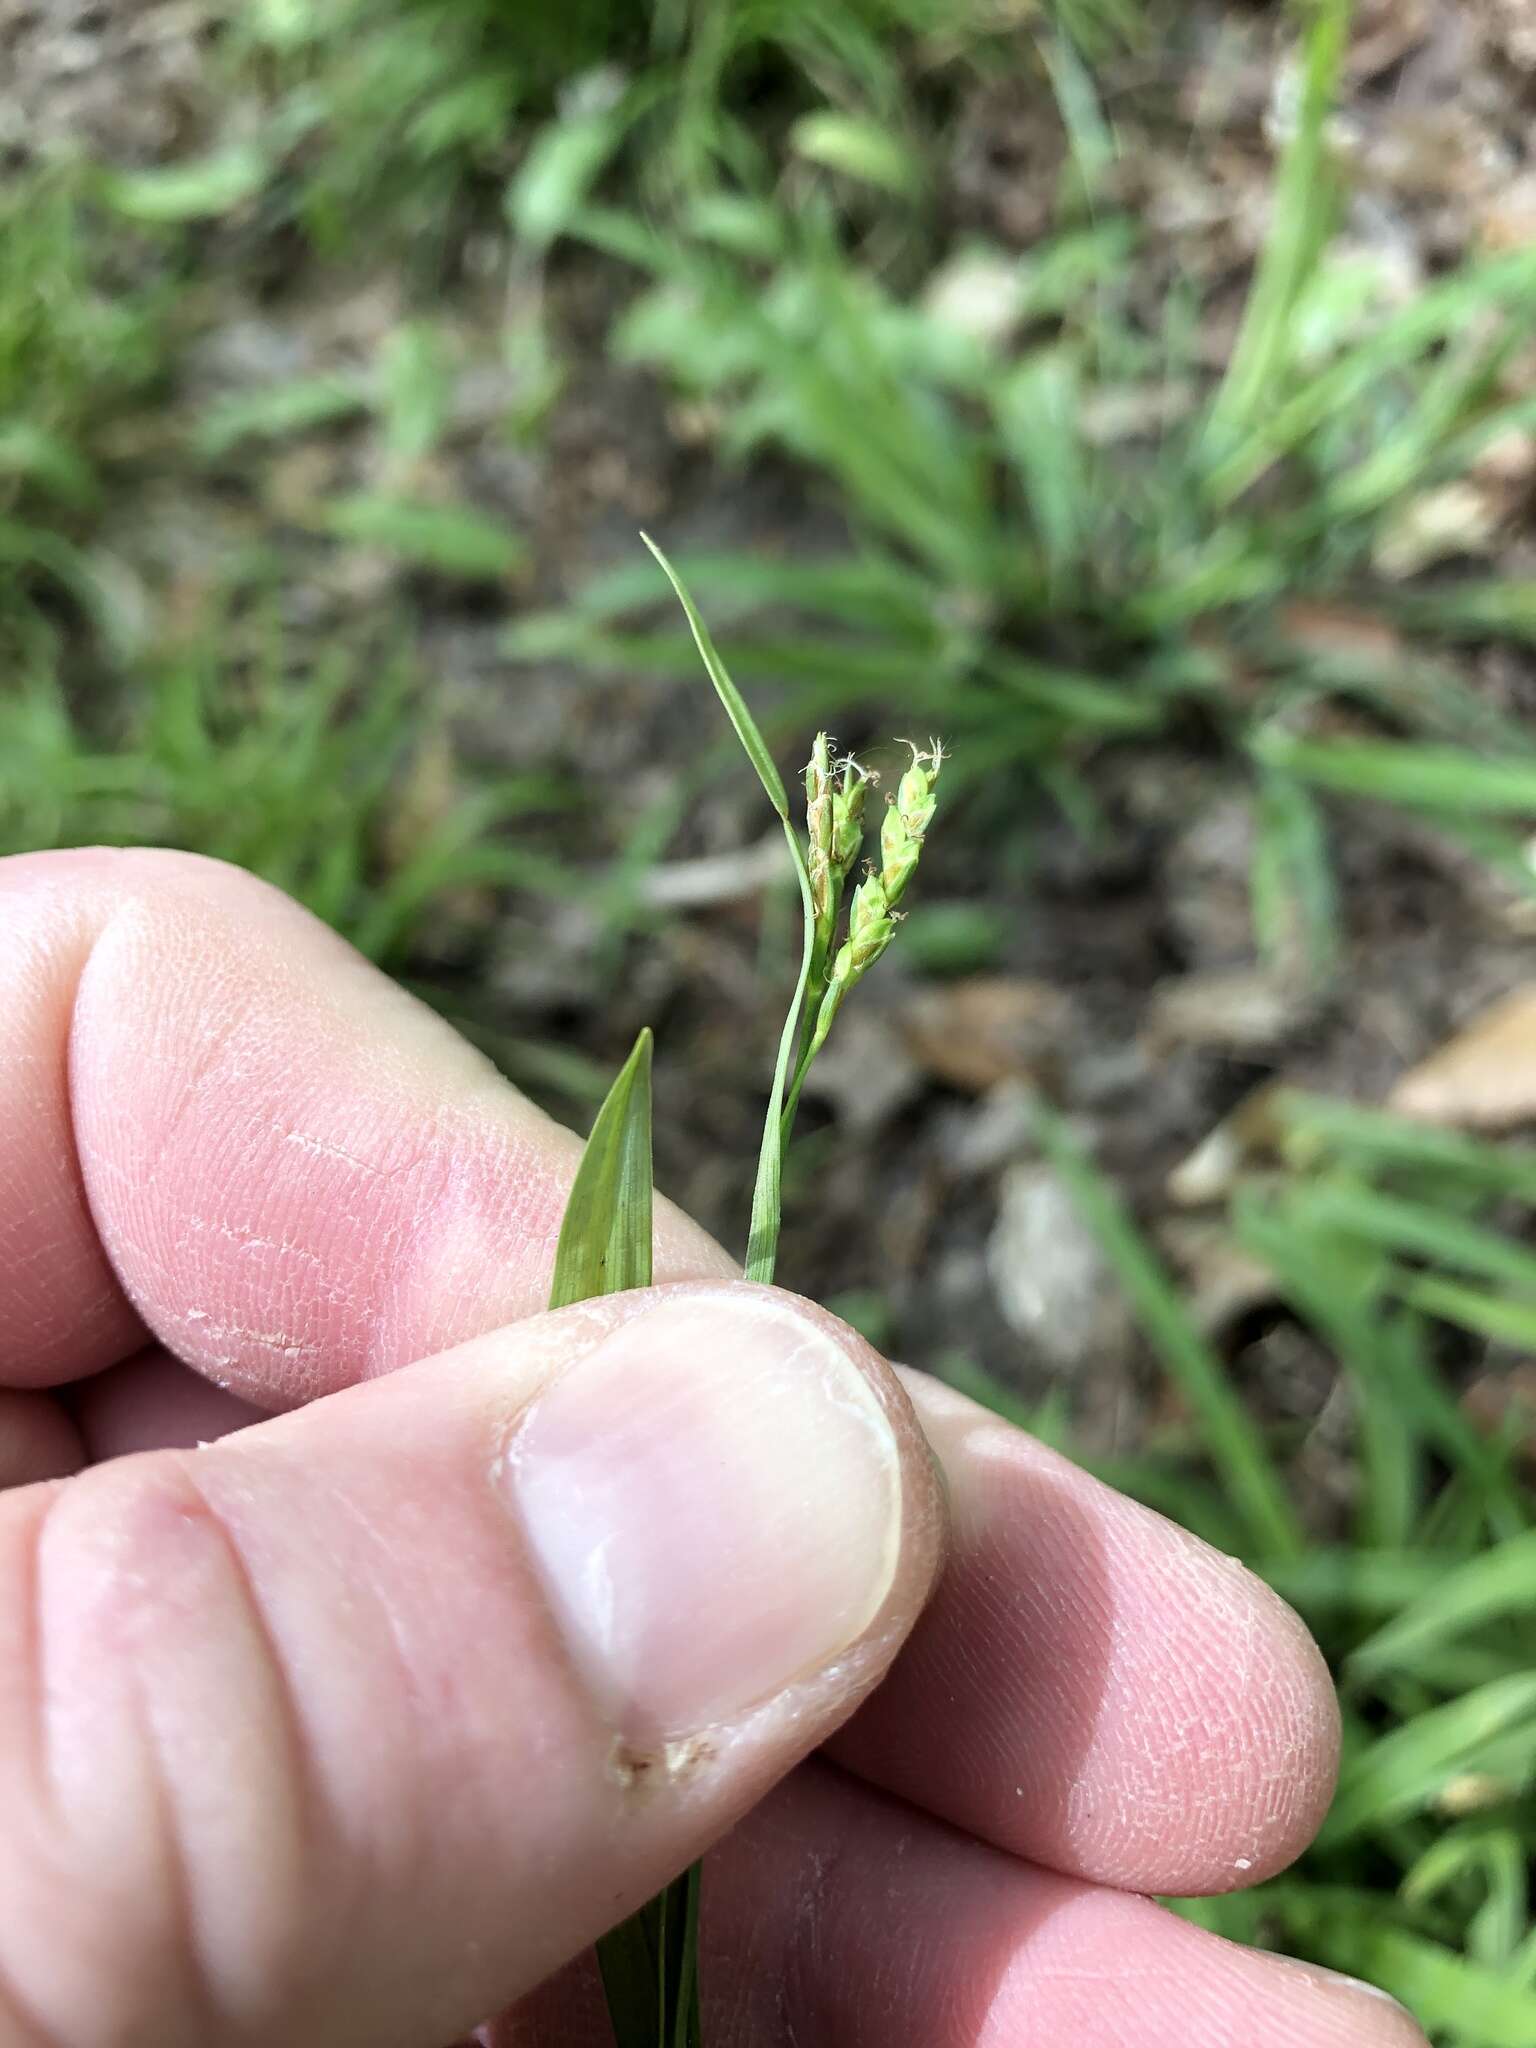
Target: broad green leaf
[[1459, 2001], [452, 540], [648, 1963], [416, 389], [605, 1235], [293, 407], [561, 169], [203, 190], [45, 459], [856, 148]]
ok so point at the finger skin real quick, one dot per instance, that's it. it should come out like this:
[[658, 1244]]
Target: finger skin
[[152, 1402], [1138, 1708], [292, 1749], [918, 1934], [37, 1440], [304, 1177], [223, 1125], [836, 1918]]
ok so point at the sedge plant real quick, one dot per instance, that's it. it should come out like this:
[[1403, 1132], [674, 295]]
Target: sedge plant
[[650, 1963]]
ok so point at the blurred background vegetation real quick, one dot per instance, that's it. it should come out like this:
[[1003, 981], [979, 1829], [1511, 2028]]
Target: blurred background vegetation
[[1142, 397]]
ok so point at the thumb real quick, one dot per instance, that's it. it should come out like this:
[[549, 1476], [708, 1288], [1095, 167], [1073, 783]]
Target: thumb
[[355, 1725]]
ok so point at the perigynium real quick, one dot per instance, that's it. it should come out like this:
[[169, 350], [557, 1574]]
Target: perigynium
[[650, 1963]]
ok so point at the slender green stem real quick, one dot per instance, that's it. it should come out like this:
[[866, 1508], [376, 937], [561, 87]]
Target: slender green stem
[[763, 1237], [817, 1029]]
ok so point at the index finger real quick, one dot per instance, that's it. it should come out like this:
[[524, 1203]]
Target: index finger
[[224, 1127]]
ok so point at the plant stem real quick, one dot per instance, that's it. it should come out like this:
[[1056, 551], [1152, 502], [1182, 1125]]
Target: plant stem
[[763, 1237]]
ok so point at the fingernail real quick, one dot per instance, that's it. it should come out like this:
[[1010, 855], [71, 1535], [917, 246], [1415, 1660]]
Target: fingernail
[[712, 1497]]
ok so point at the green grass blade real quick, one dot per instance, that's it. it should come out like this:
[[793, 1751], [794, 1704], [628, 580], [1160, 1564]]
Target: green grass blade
[[1477, 609], [1376, 1138], [763, 1232], [686, 2025], [1364, 1582], [629, 1962], [1416, 1228], [1336, 1273], [1485, 1315], [605, 1234], [1421, 777], [1404, 1772], [1234, 1444], [1295, 900], [1303, 212], [1442, 309], [1460, 2002], [1496, 1585], [752, 741]]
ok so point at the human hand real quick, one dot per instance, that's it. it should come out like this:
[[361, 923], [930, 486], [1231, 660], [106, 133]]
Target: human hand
[[364, 1722]]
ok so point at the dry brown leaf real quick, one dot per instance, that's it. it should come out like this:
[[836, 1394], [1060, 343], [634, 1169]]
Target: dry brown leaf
[[1241, 1007], [1484, 1078], [1251, 1133], [1384, 32], [1452, 519], [1053, 1283], [1334, 632], [1507, 220], [988, 1028]]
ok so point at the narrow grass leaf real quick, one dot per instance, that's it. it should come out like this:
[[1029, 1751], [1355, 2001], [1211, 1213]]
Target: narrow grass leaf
[[1477, 609], [753, 744], [1422, 777], [1295, 901], [1404, 1403], [295, 406], [763, 1232], [1397, 1225], [1302, 213], [1458, 2001], [1376, 1138], [1403, 1772], [1493, 1587], [1366, 1582], [1485, 1315], [1235, 1447]]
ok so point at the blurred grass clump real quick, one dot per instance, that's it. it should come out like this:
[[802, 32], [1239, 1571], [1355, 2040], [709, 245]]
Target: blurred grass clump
[[1378, 1232], [1044, 514]]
